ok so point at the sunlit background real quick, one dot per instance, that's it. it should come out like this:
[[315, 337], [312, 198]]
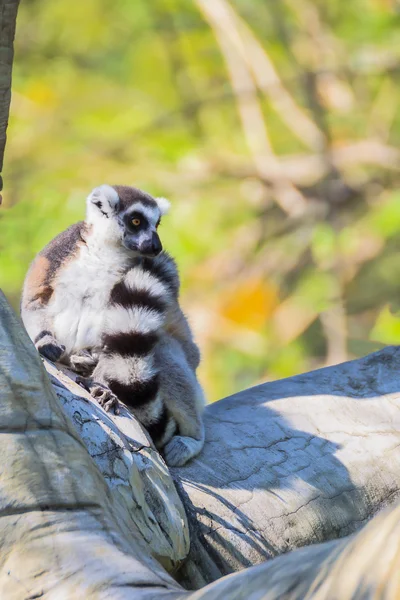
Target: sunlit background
[[273, 127]]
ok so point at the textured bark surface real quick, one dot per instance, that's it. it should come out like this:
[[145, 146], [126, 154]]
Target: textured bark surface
[[86, 502], [142, 487], [8, 17], [291, 463], [363, 567], [62, 529], [64, 532]]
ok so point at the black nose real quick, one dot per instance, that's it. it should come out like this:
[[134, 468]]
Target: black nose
[[156, 245]]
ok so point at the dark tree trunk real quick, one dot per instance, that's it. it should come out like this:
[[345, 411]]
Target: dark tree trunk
[[8, 18]]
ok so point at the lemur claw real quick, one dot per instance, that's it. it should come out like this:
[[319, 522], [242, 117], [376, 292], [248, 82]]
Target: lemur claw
[[106, 398], [101, 393]]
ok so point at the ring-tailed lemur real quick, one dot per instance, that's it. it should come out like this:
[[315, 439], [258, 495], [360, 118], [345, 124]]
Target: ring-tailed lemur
[[103, 298]]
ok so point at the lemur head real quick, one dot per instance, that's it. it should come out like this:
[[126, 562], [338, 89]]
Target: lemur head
[[125, 215]]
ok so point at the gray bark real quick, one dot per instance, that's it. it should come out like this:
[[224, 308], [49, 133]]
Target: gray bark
[[138, 478], [8, 17], [361, 567], [292, 463], [64, 532]]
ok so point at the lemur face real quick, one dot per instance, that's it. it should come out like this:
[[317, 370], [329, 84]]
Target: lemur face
[[139, 226], [127, 216]]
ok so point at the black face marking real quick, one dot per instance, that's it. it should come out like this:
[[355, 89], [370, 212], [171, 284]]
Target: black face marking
[[130, 344], [156, 430], [139, 234], [136, 215], [128, 297], [100, 206], [136, 394]]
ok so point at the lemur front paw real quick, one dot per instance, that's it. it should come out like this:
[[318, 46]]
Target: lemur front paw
[[83, 362], [180, 449], [100, 392], [48, 346]]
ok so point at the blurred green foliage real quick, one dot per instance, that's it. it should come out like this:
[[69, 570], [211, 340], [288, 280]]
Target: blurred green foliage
[[164, 95]]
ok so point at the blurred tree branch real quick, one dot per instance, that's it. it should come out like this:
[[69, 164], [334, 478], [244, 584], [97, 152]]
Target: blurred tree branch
[[234, 49], [275, 129]]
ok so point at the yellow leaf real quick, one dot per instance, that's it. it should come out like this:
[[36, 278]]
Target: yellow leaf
[[251, 304], [41, 93]]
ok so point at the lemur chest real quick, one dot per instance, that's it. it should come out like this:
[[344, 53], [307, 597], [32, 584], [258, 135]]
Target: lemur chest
[[80, 298]]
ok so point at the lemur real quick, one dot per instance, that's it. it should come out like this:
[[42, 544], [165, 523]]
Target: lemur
[[103, 298]]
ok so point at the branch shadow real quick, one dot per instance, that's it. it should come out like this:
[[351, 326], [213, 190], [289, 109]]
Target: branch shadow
[[257, 462]]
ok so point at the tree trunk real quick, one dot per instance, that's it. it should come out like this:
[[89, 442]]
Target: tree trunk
[[135, 473], [8, 17], [66, 533], [292, 463], [363, 567]]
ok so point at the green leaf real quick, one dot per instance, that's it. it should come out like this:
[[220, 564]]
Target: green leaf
[[387, 327]]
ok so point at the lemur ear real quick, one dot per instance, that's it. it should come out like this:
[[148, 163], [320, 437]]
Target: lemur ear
[[163, 204], [104, 195]]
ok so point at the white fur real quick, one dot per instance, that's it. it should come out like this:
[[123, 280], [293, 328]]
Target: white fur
[[106, 194], [169, 432], [106, 228], [79, 308], [149, 413], [136, 319], [107, 231], [126, 371], [138, 279], [34, 321], [163, 204], [78, 305]]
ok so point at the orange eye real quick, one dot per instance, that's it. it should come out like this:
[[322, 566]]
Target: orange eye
[[136, 222]]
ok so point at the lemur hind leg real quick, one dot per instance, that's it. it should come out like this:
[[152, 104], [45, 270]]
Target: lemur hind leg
[[183, 397]]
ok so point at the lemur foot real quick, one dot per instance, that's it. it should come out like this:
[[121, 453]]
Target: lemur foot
[[180, 449], [83, 362], [48, 346], [100, 392]]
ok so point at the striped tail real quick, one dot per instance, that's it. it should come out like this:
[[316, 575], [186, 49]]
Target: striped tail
[[135, 317]]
